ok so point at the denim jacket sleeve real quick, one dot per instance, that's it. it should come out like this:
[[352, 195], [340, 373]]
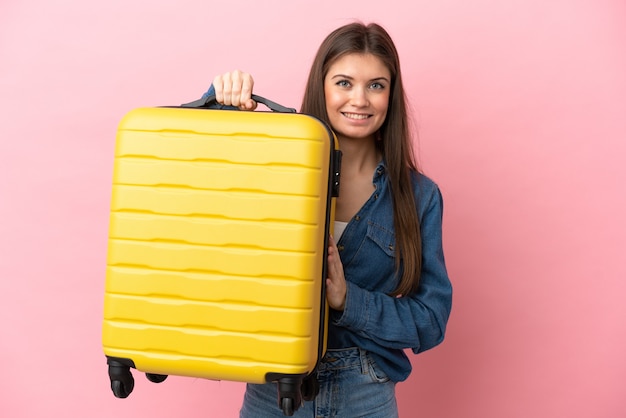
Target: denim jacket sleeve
[[417, 321]]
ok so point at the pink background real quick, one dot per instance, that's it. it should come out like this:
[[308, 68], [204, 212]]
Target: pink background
[[521, 108]]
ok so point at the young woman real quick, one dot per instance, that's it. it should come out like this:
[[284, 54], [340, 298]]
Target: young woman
[[387, 284]]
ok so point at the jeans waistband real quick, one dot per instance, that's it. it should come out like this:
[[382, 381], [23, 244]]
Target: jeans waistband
[[346, 358]]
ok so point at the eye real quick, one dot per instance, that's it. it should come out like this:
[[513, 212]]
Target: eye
[[377, 86], [343, 83]]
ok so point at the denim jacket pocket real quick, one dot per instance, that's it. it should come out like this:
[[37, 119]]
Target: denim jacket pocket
[[383, 237]]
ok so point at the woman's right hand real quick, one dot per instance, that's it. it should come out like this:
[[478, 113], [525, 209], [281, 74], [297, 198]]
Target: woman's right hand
[[235, 89]]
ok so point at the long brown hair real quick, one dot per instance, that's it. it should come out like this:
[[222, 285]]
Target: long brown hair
[[395, 137]]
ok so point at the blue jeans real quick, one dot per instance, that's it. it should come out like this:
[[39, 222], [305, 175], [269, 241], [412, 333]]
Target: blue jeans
[[351, 386]]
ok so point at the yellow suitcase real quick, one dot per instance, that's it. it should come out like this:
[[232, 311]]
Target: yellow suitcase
[[217, 246]]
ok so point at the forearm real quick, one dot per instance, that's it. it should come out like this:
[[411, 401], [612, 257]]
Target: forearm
[[417, 322]]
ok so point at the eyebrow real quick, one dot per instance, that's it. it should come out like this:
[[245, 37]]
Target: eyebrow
[[352, 78]]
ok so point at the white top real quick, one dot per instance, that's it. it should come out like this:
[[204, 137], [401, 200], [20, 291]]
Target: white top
[[339, 228]]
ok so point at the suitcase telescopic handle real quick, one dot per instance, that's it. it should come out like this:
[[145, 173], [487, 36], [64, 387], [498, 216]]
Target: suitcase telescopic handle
[[209, 101]]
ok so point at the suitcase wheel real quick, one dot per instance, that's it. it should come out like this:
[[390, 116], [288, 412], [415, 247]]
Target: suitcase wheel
[[122, 381], [287, 406], [289, 394], [120, 390], [156, 378], [310, 387]]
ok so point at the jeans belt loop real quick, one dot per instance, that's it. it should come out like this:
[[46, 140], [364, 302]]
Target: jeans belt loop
[[364, 361]]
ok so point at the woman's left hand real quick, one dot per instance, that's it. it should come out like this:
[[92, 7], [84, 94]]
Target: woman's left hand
[[336, 281]]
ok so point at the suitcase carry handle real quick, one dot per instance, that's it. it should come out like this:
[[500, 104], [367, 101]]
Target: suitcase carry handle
[[209, 101]]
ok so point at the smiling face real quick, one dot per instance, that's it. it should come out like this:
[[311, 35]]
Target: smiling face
[[357, 88]]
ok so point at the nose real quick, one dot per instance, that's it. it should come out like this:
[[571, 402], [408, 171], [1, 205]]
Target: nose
[[359, 97]]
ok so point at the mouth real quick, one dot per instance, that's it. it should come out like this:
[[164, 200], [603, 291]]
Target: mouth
[[356, 116]]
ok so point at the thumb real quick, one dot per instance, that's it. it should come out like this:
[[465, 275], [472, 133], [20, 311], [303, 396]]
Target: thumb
[[250, 105]]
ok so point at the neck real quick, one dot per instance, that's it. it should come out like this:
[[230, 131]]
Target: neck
[[358, 154]]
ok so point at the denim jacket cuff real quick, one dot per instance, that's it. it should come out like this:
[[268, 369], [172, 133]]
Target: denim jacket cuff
[[209, 92], [355, 313]]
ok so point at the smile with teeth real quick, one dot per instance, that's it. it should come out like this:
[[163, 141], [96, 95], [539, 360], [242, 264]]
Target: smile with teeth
[[358, 116]]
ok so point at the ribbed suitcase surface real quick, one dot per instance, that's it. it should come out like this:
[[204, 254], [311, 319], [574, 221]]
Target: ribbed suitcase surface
[[218, 230]]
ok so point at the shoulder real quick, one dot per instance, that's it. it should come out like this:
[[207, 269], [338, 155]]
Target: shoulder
[[422, 180], [423, 185], [426, 191]]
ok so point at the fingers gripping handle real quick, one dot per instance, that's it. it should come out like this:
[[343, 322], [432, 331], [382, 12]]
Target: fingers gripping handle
[[209, 101]]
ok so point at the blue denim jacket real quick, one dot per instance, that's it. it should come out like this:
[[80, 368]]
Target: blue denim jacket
[[372, 320]]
